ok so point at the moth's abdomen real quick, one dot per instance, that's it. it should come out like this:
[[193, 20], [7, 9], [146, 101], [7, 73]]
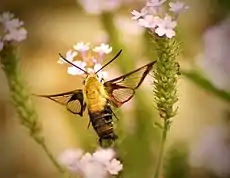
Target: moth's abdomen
[[103, 124]]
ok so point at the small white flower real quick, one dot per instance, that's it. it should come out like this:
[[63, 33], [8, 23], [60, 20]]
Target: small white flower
[[87, 61], [146, 21], [101, 74], [103, 49], [98, 165], [178, 7], [153, 13], [75, 71], [6, 16], [90, 168], [155, 3], [16, 35], [149, 21], [96, 67], [114, 167], [104, 155], [90, 70], [94, 170], [13, 30], [69, 56], [71, 158], [86, 159], [81, 46], [13, 24], [166, 27], [137, 15]]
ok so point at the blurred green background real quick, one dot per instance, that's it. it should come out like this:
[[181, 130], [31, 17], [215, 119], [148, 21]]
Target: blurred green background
[[53, 27]]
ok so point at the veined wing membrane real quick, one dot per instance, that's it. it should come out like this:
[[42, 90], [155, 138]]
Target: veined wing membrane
[[73, 100], [122, 89]]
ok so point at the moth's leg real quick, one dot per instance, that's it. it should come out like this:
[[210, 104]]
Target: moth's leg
[[112, 111], [114, 115]]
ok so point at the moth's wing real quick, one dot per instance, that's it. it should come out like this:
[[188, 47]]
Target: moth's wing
[[76, 103], [122, 89], [73, 100]]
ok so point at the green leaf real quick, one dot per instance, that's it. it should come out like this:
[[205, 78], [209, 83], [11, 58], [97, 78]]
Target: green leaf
[[207, 85]]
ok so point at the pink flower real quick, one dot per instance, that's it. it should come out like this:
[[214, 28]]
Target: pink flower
[[16, 35], [104, 155], [114, 167], [97, 165], [69, 56], [13, 30], [70, 158], [166, 27], [137, 15], [75, 71], [149, 21], [178, 7], [103, 49], [81, 46], [151, 16]]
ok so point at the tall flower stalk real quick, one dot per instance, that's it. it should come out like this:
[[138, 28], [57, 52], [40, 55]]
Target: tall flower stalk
[[165, 89], [13, 34], [161, 28]]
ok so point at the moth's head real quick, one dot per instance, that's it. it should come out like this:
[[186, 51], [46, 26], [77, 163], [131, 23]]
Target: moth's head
[[93, 77]]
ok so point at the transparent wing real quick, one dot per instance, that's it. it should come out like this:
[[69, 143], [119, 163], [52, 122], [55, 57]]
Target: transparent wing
[[73, 100], [123, 88]]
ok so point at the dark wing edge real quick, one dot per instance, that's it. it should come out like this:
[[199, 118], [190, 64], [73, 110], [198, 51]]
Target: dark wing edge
[[73, 100], [118, 84]]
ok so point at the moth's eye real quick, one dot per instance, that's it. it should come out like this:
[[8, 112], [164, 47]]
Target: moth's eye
[[102, 80]]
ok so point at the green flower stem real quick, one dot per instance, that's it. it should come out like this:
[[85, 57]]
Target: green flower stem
[[165, 86], [161, 153], [21, 99]]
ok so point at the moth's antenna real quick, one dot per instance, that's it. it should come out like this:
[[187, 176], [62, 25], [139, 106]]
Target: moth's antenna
[[109, 61], [72, 64]]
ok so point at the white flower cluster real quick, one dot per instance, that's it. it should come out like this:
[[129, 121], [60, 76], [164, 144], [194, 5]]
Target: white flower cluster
[[100, 164], [153, 16], [99, 6], [87, 59], [12, 28]]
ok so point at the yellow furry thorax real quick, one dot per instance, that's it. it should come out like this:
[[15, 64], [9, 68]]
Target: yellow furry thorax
[[94, 93]]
